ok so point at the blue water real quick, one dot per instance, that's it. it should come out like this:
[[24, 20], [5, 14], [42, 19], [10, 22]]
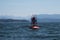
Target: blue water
[[21, 31]]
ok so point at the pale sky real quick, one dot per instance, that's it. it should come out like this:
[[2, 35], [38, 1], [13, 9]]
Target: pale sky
[[25, 8]]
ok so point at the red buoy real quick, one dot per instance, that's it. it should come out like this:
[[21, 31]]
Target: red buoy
[[34, 23]]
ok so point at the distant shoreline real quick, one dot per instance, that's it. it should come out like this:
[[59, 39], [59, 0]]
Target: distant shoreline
[[13, 20]]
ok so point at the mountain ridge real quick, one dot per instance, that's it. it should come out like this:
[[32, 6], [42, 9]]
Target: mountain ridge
[[48, 18], [40, 18]]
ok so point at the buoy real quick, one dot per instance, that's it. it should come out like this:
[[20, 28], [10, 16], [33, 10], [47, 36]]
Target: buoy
[[34, 23]]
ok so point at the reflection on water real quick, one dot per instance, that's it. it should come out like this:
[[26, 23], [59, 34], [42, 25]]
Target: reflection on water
[[21, 31]]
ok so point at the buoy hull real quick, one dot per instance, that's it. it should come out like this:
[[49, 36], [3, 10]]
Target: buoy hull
[[35, 27]]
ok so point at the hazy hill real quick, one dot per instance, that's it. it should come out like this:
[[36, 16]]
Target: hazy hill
[[12, 19], [40, 18], [48, 18]]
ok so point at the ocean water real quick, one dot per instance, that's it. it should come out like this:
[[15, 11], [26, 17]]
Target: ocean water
[[21, 31]]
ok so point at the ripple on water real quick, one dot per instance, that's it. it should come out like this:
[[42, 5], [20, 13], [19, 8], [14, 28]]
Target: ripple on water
[[15, 31]]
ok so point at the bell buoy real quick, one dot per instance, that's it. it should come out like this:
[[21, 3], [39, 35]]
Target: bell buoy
[[34, 23]]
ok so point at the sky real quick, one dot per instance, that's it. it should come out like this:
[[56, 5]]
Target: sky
[[25, 8]]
